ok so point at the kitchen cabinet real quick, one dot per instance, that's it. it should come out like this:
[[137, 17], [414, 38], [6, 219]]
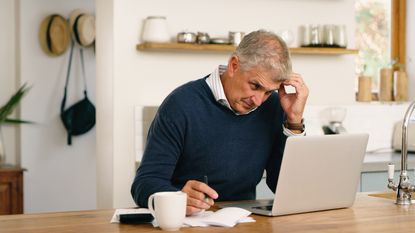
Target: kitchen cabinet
[[230, 48], [262, 190], [11, 190], [378, 181]]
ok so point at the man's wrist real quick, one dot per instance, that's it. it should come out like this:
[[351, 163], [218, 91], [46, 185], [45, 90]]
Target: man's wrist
[[294, 126]]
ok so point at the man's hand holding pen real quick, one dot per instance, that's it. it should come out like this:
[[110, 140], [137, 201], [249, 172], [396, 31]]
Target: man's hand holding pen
[[199, 196]]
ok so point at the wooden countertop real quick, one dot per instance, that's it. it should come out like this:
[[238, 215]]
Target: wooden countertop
[[368, 214]]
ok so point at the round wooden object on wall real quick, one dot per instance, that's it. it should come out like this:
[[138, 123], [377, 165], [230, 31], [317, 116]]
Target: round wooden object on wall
[[54, 35], [82, 26]]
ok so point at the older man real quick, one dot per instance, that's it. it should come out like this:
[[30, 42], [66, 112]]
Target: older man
[[230, 126]]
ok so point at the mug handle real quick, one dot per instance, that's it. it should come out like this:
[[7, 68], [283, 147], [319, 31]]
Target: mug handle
[[151, 205]]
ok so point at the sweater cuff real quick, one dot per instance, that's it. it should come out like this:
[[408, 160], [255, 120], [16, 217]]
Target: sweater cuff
[[289, 133]]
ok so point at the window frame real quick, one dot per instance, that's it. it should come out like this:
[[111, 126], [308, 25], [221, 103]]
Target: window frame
[[398, 32]]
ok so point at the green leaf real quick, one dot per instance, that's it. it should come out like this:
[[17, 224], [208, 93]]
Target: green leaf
[[9, 107], [17, 121]]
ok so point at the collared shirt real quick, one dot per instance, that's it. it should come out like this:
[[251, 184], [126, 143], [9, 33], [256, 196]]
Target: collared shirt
[[215, 84]]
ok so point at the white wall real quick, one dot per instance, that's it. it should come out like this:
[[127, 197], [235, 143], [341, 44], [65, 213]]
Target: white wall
[[59, 177], [7, 72], [145, 78], [376, 119], [105, 103]]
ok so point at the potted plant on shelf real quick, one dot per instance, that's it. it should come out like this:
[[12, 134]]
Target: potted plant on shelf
[[5, 112]]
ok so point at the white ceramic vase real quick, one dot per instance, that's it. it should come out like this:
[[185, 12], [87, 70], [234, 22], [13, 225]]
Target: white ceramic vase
[[2, 149]]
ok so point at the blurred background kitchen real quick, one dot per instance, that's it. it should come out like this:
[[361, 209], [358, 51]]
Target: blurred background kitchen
[[125, 76]]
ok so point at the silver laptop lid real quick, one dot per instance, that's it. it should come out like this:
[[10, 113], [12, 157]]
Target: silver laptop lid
[[319, 173]]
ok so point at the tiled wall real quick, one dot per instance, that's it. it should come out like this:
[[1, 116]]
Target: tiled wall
[[143, 116], [377, 119]]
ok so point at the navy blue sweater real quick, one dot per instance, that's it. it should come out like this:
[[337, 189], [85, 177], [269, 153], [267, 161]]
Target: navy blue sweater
[[192, 135]]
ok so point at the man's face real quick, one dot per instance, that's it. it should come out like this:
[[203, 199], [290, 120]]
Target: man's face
[[249, 89]]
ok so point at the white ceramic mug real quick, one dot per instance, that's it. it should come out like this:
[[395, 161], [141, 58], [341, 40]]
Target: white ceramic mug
[[169, 209]]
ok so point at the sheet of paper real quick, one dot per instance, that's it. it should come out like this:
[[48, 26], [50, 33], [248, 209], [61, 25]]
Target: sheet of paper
[[196, 220], [226, 217]]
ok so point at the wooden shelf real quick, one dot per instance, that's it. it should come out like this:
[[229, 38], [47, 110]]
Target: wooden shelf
[[230, 48], [315, 51], [184, 46]]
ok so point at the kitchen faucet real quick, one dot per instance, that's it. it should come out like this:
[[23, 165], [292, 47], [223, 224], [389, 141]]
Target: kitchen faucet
[[404, 188]]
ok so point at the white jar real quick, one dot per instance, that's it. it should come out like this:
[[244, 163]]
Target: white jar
[[155, 30], [340, 36], [304, 35]]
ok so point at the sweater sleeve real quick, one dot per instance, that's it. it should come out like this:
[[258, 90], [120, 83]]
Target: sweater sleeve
[[162, 151], [274, 162]]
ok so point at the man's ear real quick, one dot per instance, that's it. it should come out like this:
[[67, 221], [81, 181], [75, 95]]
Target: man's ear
[[233, 65]]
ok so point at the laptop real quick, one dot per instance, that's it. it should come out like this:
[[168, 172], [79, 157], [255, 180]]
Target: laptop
[[317, 173]]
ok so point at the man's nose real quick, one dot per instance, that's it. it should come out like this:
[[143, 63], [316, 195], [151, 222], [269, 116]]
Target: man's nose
[[258, 98]]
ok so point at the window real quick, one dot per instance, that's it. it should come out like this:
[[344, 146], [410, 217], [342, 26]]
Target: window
[[380, 36], [373, 30]]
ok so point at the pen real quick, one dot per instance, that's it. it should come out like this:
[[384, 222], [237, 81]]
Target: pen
[[205, 180]]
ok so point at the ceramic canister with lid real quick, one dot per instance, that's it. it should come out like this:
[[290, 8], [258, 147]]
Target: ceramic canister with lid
[[155, 30]]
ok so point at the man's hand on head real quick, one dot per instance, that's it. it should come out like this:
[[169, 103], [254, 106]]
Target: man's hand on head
[[199, 196], [294, 104]]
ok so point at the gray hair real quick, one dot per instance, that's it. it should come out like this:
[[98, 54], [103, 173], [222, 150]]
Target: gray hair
[[264, 50]]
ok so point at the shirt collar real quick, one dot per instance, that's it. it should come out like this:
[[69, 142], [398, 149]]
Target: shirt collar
[[215, 84]]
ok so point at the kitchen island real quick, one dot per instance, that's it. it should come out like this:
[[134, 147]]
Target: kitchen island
[[368, 214]]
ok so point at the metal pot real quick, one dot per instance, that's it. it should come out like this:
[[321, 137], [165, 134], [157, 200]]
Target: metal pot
[[203, 38], [186, 37], [236, 37]]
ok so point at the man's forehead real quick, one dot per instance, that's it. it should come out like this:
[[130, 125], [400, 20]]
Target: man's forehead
[[271, 74], [269, 77]]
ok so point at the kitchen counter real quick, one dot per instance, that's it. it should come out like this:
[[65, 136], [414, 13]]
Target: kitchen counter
[[378, 161], [368, 214]]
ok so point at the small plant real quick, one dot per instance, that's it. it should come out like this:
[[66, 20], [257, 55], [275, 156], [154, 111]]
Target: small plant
[[5, 111], [9, 107]]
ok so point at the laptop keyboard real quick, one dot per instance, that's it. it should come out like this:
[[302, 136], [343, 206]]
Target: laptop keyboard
[[267, 207]]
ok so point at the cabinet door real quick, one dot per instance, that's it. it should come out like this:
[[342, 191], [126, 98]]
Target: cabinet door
[[378, 181], [5, 201], [11, 191], [5, 196]]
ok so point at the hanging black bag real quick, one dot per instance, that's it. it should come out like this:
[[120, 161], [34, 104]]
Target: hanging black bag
[[80, 117]]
